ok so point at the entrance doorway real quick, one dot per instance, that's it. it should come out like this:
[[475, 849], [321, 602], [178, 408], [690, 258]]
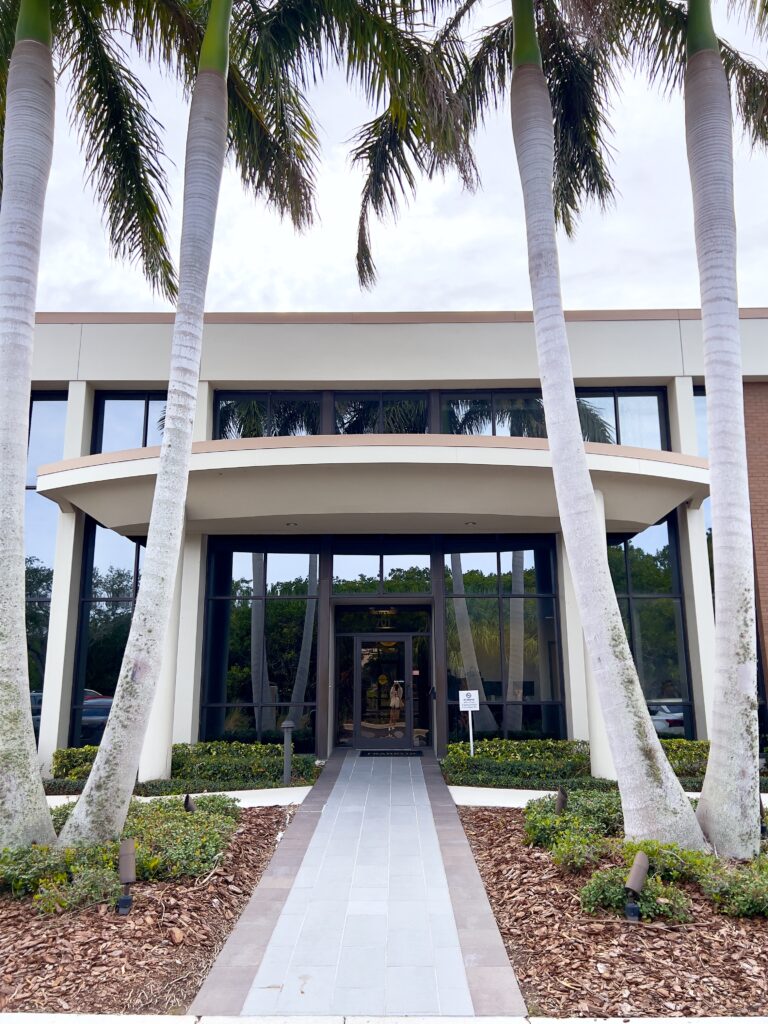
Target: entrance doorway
[[384, 688]]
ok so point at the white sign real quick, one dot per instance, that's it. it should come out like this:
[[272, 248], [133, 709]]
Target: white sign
[[469, 700]]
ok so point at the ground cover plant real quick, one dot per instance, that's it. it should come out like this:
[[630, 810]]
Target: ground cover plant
[[571, 961], [547, 764], [92, 960], [196, 768], [170, 843]]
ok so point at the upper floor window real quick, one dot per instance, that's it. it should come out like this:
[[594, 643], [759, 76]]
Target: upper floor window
[[127, 419], [265, 414], [381, 412], [700, 407]]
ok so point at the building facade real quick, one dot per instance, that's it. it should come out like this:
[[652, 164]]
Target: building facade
[[372, 525]]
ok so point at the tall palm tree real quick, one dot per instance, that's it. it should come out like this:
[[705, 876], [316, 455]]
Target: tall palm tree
[[679, 46], [653, 801], [103, 806], [27, 151]]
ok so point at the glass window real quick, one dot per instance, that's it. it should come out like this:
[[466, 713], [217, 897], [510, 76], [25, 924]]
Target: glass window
[[404, 414], [356, 414], [466, 414], [640, 421], [131, 419], [41, 517], [265, 414], [155, 421], [356, 573], [407, 574], [294, 416], [531, 665], [658, 647], [37, 614], [114, 564], [241, 417], [290, 573], [527, 571], [650, 566], [474, 572], [291, 629], [474, 647], [597, 414], [519, 416], [46, 434], [700, 406]]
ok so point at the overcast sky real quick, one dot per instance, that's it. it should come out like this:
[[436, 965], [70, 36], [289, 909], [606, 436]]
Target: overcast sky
[[449, 250]]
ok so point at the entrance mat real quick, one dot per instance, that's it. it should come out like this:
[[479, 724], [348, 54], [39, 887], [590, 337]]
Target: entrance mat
[[390, 753]]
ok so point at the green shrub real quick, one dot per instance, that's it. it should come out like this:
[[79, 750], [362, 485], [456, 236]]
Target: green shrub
[[739, 891], [687, 757], [170, 843], [576, 852], [73, 762], [605, 891], [668, 862], [60, 814], [589, 815], [522, 764]]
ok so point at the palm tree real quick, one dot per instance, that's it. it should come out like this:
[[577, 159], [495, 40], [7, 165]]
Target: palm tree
[[653, 801], [730, 796], [101, 810], [680, 47]]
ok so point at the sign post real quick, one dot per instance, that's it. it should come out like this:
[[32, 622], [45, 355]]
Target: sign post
[[469, 701]]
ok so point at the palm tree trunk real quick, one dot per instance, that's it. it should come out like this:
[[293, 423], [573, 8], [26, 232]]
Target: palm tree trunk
[[101, 810], [728, 809], [305, 654], [653, 802], [27, 154]]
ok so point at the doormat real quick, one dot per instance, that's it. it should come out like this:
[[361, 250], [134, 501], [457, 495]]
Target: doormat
[[390, 753]]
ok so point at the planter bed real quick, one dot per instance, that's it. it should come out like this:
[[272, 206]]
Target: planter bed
[[573, 964], [151, 961]]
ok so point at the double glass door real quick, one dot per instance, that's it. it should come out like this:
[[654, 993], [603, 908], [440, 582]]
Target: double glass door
[[383, 693]]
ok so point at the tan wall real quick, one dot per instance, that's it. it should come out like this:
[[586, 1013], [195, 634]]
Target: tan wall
[[396, 349], [756, 417]]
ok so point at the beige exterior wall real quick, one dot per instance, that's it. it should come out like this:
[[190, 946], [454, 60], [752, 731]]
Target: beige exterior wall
[[87, 352]]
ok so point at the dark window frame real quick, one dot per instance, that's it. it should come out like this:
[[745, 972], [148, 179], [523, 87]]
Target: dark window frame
[[102, 396], [237, 394], [382, 396]]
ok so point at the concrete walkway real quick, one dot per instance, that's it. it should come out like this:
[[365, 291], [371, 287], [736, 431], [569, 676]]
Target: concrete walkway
[[384, 913]]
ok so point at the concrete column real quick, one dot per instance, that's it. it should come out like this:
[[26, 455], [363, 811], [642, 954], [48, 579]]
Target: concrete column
[[189, 654], [600, 753], [202, 429], [155, 761], [65, 591], [574, 659], [694, 562]]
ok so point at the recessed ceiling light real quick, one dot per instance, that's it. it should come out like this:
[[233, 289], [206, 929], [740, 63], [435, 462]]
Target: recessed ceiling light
[[291, 524], [470, 522]]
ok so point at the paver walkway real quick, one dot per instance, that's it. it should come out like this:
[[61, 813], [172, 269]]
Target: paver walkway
[[368, 926]]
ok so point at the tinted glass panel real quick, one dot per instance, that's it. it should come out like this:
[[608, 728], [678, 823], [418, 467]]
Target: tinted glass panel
[[407, 574], [108, 624], [155, 421], [113, 564], [519, 416], [46, 434], [488, 722], [530, 649], [291, 628], [37, 613], [41, 517], [382, 619], [356, 573], [672, 721], [242, 417], [289, 574], [658, 647], [597, 414], [617, 563], [650, 562], [357, 415], [405, 414], [294, 417], [526, 571], [123, 424], [473, 572], [466, 414], [700, 405], [474, 651], [640, 420]]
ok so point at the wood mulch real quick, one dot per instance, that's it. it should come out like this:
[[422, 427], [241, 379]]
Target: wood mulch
[[151, 961], [570, 963]]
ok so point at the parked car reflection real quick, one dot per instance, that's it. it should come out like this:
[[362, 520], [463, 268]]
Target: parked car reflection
[[668, 721]]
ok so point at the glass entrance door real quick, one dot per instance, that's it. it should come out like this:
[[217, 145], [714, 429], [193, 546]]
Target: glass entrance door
[[383, 693]]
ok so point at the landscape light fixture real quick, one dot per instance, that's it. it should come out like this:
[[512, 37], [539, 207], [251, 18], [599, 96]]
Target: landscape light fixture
[[189, 804], [561, 800], [634, 885], [763, 822], [126, 867]]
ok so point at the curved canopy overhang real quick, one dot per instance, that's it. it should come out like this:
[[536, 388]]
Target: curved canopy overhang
[[375, 484]]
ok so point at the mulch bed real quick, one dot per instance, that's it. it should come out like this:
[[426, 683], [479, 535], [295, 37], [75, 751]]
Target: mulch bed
[[570, 963], [152, 961]]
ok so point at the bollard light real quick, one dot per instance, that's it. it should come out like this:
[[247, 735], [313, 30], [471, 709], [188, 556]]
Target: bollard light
[[561, 800], [126, 867], [634, 885], [189, 804], [288, 728]]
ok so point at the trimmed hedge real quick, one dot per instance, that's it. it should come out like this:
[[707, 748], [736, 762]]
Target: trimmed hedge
[[195, 768]]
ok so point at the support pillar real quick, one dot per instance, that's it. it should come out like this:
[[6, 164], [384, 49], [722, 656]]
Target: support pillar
[[574, 655], [601, 760], [65, 591], [155, 761], [189, 653]]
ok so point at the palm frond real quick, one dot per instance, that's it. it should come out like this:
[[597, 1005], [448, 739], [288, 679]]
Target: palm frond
[[121, 143], [580, 77], [749, 89]]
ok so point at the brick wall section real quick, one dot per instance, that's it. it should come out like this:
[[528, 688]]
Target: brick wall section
[[756, 422]]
